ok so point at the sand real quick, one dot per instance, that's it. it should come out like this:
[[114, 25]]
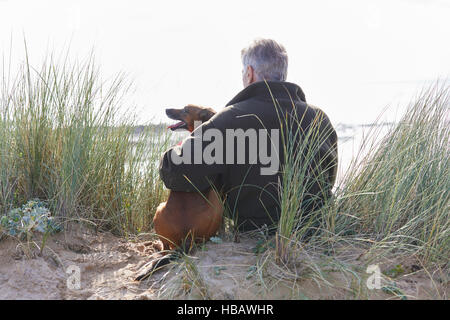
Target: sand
[[226, 270]]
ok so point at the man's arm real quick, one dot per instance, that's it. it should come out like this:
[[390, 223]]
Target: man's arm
[[183, 167]]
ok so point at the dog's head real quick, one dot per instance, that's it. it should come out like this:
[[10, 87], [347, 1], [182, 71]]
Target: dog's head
[[188, 115]]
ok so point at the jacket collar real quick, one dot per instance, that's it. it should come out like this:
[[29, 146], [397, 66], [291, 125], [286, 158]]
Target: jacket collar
[[267, 89]]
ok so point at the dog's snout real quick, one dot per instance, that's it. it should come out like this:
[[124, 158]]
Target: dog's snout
[[169, 112]]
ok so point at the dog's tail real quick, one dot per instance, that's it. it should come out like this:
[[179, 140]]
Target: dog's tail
[[154, 265]]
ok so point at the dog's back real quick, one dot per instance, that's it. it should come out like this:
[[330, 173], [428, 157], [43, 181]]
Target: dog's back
[[187, 217]]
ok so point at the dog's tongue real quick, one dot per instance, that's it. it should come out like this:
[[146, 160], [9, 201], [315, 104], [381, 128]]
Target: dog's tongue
[[176, 125]]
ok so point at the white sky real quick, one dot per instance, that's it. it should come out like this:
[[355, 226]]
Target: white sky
[[351, 57]]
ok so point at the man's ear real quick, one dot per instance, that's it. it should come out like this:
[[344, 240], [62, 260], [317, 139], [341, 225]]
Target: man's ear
[[250, 74]]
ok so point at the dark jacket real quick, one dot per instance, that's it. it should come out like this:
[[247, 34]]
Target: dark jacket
[[251, 197]]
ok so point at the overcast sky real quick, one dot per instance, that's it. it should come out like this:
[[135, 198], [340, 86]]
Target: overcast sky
[[351, 57]]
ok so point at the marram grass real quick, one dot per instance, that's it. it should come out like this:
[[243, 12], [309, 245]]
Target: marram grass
[[63, 140], [395, 196], [398, 193]]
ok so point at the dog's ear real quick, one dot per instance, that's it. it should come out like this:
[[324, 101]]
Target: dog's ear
[[206, 114]]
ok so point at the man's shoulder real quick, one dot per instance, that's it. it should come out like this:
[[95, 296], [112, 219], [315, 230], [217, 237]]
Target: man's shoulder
[[230, 112]]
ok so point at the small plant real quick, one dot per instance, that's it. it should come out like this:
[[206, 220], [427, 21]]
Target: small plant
[[395, 272], [33, 216]]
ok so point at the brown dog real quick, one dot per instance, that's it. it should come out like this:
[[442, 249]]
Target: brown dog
[[185, 217]]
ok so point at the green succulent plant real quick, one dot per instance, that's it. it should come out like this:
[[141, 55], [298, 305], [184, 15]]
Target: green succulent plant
[[32, 216]]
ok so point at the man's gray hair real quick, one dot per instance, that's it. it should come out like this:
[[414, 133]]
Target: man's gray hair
[[268, 59]]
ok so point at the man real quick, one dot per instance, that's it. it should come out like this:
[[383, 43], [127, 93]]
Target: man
[[250, 138]]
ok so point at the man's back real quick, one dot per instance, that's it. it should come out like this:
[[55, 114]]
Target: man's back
[[250, 171]]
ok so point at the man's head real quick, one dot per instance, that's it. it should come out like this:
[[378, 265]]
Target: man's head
[[264, 59]]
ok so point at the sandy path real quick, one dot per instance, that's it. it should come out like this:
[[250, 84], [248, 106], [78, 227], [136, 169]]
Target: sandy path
[[107, 265]]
